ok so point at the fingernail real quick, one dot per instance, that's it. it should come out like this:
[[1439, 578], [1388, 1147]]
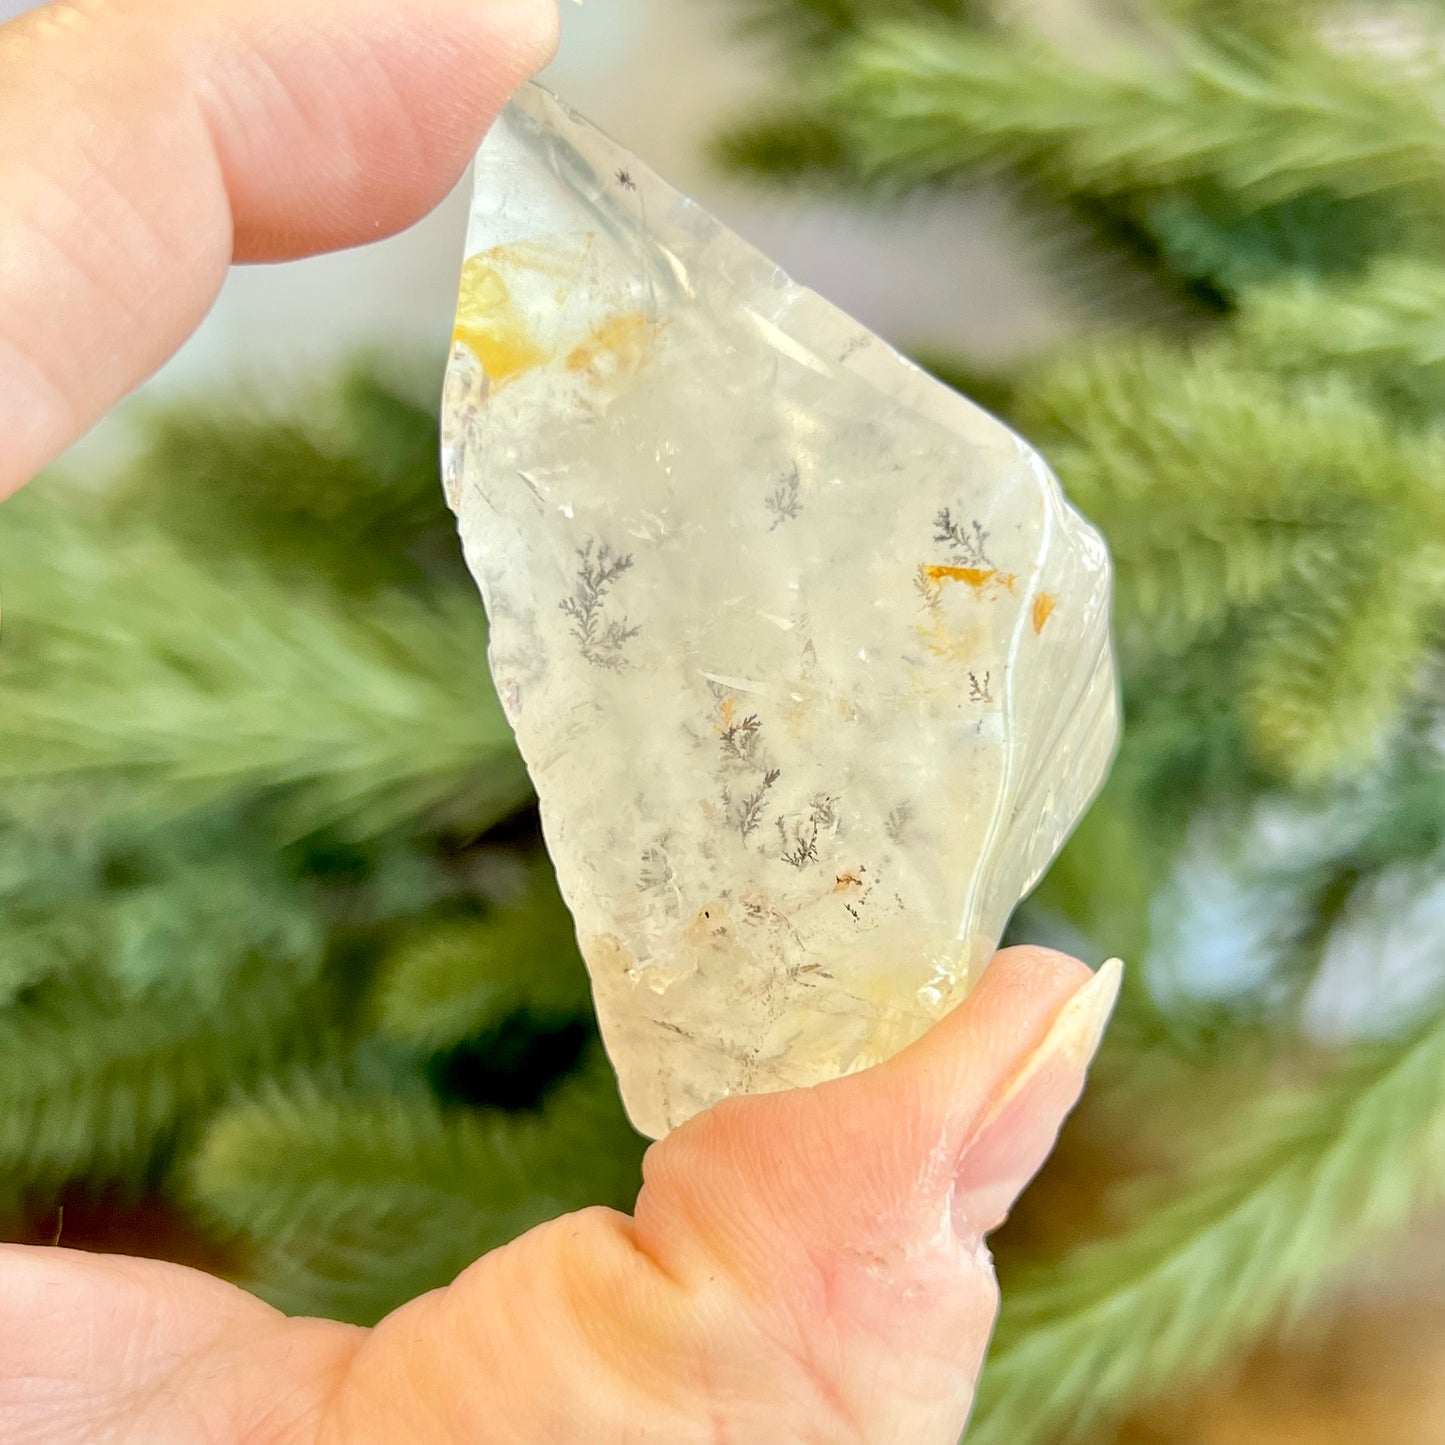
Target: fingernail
[[1022, 1121], [1073, 1038]]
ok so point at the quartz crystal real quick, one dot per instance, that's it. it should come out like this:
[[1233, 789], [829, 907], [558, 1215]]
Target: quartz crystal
[[807, 655]]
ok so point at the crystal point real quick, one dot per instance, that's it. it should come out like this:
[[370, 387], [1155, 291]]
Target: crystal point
[[807, 655]]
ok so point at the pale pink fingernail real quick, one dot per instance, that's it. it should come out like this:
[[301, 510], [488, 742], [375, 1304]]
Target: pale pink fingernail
[[1022, 1121]]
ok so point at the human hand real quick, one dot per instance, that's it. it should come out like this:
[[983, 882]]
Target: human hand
[[801, 1267], [804, 1268]]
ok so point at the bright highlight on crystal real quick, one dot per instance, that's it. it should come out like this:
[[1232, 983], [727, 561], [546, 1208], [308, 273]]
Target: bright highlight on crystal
[[807, 655]]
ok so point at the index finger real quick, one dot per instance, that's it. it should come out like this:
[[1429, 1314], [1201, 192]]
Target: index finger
[[145, 144]]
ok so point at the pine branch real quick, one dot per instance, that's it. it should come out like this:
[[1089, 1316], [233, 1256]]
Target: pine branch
[[1221, 487], [1232, 164], [386, 1198], [1403, 805], [1385, 329], [93, 1084], [173, 914], [344, 491], [1249, 21], [451, 979], [1251, 517], [45, 883], [789, 145], [142, 678], [1328, 680], [1216, 240], [924, 102], [1246, 1242]]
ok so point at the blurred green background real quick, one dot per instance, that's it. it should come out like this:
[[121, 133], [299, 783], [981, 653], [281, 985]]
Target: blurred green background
[[286, 989]]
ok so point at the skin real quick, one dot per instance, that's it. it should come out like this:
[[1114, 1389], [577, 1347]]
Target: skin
[[805, 1267]]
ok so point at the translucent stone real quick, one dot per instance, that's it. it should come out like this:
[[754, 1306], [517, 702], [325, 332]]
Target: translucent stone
[[807, 655]]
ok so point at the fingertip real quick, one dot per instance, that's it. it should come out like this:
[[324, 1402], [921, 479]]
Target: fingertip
[[1011, 1007], [1032, 967], [521, 35], [145, 145], [538, 27], [862, 1152], [1017, 1131], [357, 118]]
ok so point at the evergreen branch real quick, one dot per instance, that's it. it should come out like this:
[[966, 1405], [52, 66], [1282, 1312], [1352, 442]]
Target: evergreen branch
[[1385, 329], [173, 914], [1221, 488], [1248, 1240], [93, 1084], [1274, 23], [1256, 521], [1327, 682], [346, 495], [789, 145], [388, 1197], [924, 102], [1227, 244], [145, 678], [1235, 162], [452, 979]]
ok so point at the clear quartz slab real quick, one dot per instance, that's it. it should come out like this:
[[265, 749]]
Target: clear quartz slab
[[807, 655]]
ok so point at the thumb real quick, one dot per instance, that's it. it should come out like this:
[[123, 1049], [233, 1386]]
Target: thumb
[[804, 1266], [959, 1122]]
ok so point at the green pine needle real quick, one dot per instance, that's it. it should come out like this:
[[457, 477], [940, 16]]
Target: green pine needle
[[925, 101], [1385, 329], [785, 147], [173, 914], [1302, 1185], [452, 979], [1230, 162], [96, 1084], [137, 676], [343, 491], [385, 1198], [1325, 688], [1258, 520]]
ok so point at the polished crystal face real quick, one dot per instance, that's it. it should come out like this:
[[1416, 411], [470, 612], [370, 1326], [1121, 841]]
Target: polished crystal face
[[808, 656]]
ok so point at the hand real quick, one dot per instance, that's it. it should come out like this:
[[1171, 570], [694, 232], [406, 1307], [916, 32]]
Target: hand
[[802, 1267]]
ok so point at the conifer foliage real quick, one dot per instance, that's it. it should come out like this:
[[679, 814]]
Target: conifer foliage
[[270, 884]]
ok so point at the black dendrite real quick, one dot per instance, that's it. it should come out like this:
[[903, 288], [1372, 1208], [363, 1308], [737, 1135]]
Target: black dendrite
[[600, 639], [968, 540], [799, 837], [783, 501], [740, 739]]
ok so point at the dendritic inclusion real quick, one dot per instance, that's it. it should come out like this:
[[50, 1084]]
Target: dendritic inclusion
[[807, 655]]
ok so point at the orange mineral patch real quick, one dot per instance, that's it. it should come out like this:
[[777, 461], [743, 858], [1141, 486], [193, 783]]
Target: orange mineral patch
[[489, 324], [491, 320], [977, 577], [1044, 605], [615, 348]]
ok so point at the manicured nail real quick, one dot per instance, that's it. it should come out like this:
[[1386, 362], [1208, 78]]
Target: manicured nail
[[1073, 1038], [1019, 1127]]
